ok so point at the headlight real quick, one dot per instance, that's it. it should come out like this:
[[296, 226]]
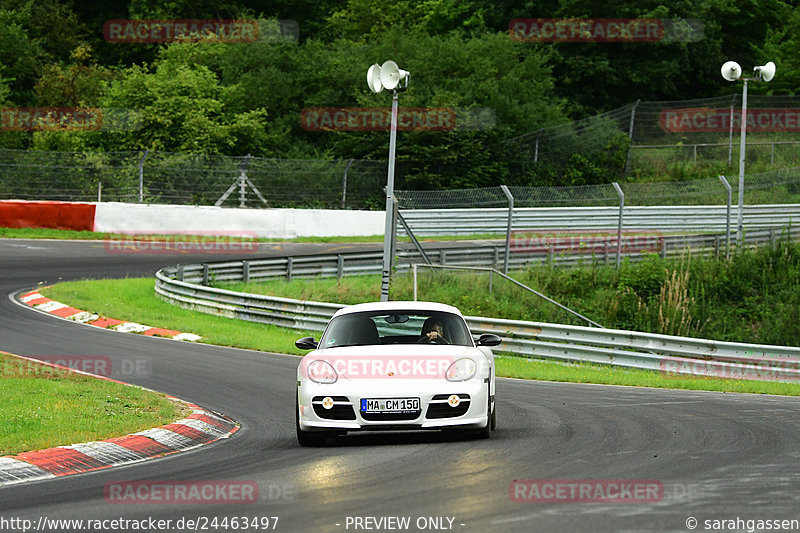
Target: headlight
[[461, 370], [320, 371]]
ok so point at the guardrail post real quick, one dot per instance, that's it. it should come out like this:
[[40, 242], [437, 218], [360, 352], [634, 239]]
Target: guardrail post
[[442, 257], [339, 266], [180, 273], [205, 274], [663, 247], [289, 268], [621, 213], [246, 271], [510, 198]]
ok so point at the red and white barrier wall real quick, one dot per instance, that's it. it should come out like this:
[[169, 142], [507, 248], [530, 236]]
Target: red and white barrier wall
[[55, 215], [196, 220]]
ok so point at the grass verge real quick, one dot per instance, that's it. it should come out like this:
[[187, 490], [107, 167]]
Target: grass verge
[[44, 407], [523, 368], [134, 299], [44, 233]]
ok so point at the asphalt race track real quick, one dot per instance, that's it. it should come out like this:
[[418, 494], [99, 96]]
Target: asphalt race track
[[715, 456]]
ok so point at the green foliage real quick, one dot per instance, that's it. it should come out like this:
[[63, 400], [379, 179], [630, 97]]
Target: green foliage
[[234, 98], [754, 297]]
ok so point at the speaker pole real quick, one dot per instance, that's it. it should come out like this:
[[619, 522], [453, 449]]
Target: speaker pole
[[387, 236]]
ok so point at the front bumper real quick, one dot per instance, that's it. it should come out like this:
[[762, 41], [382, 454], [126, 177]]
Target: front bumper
[[436, 412]]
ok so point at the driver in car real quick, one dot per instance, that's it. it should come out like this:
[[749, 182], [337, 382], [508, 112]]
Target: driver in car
[[432, 331]]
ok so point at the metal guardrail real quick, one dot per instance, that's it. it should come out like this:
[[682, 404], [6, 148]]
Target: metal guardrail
[[670, 354], [703, 219], [571, 250]]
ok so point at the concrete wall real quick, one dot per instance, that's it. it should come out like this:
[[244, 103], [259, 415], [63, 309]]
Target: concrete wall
[[172, 219]]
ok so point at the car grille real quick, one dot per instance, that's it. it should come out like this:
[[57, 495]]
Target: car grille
[[342, 408], [439, 408]]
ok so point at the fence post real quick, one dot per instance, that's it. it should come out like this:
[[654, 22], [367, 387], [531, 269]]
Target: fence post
[[727, 217], [619, 224], [99, 191], [344, 183], [141, 176], [630, 137], [730, 137], [510, 198]]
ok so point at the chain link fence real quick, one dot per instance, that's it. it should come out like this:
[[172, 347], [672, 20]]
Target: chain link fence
[[653, 136], [191, 179], [776, 187]]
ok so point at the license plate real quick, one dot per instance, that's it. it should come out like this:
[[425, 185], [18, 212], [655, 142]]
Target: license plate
[[389, 405]]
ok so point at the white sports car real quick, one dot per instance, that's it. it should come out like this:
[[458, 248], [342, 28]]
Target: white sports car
[[395, 366]]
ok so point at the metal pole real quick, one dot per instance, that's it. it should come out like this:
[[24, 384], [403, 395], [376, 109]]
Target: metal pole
[[344, 183], [727, 217], [510, 198], [619, 224], [141, 176], [414, 270], [730, 139], [99, 191], [387, 236], [630, 137], [742, 144]]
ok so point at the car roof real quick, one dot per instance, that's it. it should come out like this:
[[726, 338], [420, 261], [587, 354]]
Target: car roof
[[397, 306]]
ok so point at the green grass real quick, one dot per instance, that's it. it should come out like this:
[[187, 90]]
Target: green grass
[[523, 368], [754, 297], [44, 407], [133, 299], [44, 233]]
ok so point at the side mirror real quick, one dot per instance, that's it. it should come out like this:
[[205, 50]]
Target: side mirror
[[489, 339], [306, 343]]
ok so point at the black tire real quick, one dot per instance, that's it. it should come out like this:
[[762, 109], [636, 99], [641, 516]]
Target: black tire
[[307, 438], [494, 416]]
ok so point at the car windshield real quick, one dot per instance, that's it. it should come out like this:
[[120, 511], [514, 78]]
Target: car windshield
[[396, 327]]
